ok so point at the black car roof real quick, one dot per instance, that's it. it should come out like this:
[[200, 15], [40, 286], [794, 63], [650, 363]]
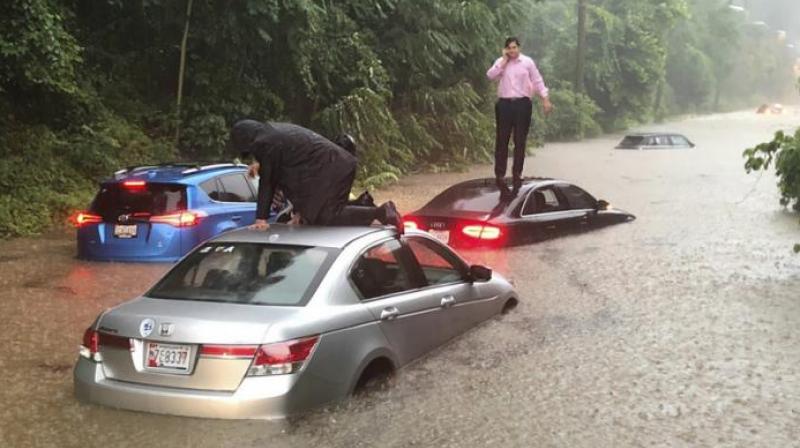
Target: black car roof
[[651, 134]]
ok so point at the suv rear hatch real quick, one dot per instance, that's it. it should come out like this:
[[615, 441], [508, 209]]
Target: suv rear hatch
[[139, 218]]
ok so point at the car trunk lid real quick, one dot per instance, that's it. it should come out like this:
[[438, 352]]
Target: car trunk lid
[[176, 343]]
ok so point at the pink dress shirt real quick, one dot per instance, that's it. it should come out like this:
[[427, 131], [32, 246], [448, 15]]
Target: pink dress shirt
[[519, 78]]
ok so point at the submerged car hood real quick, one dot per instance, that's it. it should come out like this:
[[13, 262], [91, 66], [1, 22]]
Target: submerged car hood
[[193, 321]]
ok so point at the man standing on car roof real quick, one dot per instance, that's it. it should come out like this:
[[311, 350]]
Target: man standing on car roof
[[315, 174], [519, 79]]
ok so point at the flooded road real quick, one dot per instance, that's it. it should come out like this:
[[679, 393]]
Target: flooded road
[[678, 329]]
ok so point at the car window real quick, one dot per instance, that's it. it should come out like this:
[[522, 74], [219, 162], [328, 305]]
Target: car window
[[542, 200], [236, 189], [114, 200], [577, 198], [212, 189], [632, 140], [438, 267], [679, 140], [661, 140], [248, 273], [379, 271]]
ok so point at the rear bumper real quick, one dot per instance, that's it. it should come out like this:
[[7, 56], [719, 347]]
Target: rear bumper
[[255, 398], [127, 259]]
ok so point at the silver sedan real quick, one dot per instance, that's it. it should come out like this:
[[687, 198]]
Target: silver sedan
[[268, 324]]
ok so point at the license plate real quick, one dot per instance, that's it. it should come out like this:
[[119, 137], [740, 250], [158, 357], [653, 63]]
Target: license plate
[[167, 356], [441, 235], [125, 230]]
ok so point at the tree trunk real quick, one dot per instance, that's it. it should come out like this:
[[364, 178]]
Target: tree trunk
[[581, 50], [182, 72]]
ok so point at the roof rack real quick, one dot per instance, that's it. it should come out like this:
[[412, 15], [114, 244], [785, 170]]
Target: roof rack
[[213, 166], [189, 167]]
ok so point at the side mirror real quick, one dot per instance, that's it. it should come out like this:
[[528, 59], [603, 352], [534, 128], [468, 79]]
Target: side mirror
[[602, 204], [478, 273]]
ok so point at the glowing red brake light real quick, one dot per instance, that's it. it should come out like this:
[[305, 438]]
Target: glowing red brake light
[[134, 184], [409, 224], [482, 232], [282, 357], [81, 219], [186, 218]]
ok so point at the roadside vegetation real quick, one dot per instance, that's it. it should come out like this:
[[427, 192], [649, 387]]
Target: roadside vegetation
[[89, 86], [782, 153]]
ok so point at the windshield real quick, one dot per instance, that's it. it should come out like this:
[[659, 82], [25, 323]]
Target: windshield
[[476, 198], [248, 273], [114, 200]]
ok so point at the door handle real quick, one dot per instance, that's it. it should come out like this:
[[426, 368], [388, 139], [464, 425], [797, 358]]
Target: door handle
[[551, 227], [389, 313], [448, 301], [236, 218]]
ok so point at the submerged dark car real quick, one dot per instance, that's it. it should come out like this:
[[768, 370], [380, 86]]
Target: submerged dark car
[[655, 141], [474, 213]]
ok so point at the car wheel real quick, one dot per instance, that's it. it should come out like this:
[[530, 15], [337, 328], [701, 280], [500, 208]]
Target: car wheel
[[374, 375]]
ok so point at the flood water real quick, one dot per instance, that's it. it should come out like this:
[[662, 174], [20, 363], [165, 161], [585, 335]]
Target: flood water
[[678, 329]]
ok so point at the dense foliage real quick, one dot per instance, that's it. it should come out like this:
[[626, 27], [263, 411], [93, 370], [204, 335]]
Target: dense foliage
[[783, 152], [87, 86]]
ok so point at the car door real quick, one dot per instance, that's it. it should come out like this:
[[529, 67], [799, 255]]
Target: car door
[[391, 288], [583, 208], [240, 201], [544, 215], [446, 276]]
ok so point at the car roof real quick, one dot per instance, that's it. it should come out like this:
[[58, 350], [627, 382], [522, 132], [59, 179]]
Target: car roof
[[528, 184], [175, 172], [294, 235], [490, 182], [651, 134]]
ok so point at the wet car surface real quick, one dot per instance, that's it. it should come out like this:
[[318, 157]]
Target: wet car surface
[[679, 329], [655, 140], [475, 213]]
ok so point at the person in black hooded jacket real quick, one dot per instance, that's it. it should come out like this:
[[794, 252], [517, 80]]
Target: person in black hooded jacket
[[315, 174]]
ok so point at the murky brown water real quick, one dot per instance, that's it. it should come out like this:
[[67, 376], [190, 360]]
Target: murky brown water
[[679, 329]]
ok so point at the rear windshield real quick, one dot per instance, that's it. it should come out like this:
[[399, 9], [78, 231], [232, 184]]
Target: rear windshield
[[114, 200], [477, 198], [247, 273], [632, 140]]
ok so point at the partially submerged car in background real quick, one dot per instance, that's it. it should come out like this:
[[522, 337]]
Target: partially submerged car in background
[[160, 212], [654, 140], [475, 213], [265, 324]]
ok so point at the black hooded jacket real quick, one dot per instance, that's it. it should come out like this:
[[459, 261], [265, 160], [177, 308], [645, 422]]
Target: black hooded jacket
[[315, 174]]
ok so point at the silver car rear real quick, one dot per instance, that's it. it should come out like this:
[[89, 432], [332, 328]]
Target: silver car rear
[[305, 337]]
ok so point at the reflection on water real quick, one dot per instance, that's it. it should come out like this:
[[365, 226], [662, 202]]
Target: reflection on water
[[678, 329]]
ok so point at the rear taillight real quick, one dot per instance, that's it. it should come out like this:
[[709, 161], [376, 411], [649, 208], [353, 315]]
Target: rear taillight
[[186, 218], [91, 344], [93, 340], [482, 232], [81, 219], [283, 357], [410, 224]]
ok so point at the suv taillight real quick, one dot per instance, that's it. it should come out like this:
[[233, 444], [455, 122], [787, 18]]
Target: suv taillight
[[187, 218], [282, 358], [81, 219]]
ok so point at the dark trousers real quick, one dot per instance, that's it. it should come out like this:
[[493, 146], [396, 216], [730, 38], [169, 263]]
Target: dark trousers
[[511, 116], [341, 212]]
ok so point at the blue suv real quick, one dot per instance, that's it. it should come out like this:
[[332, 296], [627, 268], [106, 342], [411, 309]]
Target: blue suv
[[160, 212]]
